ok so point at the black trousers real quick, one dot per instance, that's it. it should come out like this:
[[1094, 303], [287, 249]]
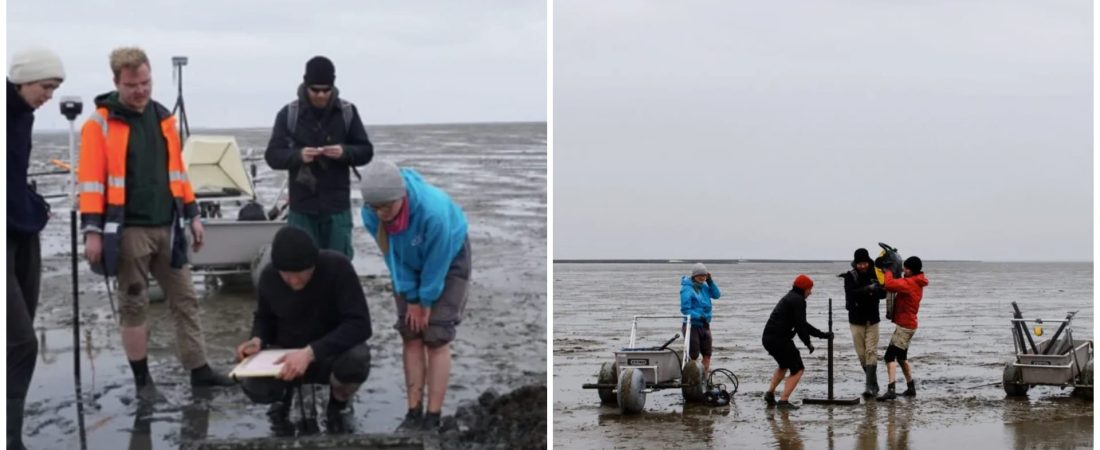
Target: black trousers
[[24, 277], [352, 367]]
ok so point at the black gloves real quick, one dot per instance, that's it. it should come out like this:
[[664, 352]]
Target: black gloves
[[811, 347], [829, 335]]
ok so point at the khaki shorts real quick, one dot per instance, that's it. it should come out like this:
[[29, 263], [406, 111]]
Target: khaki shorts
[[901, 337], [447, 312]]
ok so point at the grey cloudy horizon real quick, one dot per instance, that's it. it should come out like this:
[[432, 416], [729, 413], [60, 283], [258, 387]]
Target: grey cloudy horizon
[[399, 62], [804, 130]]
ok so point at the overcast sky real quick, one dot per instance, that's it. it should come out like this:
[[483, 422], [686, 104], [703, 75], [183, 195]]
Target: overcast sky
[[748, 129], [400, 62]]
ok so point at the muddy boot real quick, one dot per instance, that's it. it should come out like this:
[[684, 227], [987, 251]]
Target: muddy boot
[[279, 415], [339, 416], [430, 423], [873, 371], [769, 398], [206, 377], [867, 374], [15, 424], [890, 394], [910, 389], [783, 404], [412, 420]]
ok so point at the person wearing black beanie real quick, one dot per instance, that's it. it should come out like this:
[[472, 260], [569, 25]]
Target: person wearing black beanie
[[319, 139], [862, 294], [309, 300]]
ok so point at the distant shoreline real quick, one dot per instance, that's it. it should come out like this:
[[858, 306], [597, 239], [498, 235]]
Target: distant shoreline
[[199, 130], [732, 261]]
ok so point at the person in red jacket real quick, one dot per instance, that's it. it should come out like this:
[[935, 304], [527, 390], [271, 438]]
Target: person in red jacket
[[910, 289]]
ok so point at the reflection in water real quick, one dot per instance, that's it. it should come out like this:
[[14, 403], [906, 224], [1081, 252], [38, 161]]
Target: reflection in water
[[141, 435], [897, 425], [867, 438], [698, 422], [786, 435], [1040, 425]]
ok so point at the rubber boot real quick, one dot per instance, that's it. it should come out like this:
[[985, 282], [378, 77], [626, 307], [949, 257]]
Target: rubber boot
[[784, 404], [890, 394], [206, 377], [279, 414], [911, 389], [873, 382], [867, 374], [413, 420], [769, 397], [15, 424]]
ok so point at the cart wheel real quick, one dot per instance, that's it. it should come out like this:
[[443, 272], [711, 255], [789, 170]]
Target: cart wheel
[[694, 383], [1013, 386], [609, 374], [631, 392], [1086, 378]]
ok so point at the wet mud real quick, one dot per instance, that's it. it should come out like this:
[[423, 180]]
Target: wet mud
[[958, 355], [497, 172]]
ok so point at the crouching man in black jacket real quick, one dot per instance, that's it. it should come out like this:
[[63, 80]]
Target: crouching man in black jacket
[[787, 319], [309, 300]]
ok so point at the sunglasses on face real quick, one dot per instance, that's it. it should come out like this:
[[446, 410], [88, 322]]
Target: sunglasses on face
[[320, 89]]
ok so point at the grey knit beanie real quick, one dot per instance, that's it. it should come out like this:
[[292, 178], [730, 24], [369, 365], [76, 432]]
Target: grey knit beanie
[[698, 269], [382, 182], [35, 64]]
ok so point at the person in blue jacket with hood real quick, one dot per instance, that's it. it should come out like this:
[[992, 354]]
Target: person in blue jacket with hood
[[696, 292], [422, 235]]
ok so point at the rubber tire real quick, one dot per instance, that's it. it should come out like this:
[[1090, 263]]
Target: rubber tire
[[609, 373], [693, 374], [1010, 380], [1086, 378], [631, 392]]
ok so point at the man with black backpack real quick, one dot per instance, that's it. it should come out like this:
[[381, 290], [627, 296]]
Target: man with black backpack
[[319, 138]]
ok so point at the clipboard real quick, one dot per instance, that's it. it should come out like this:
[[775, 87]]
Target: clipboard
[[261, 364]]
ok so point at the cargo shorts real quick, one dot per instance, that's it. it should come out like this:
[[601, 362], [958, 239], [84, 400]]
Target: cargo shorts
[[447, 311]]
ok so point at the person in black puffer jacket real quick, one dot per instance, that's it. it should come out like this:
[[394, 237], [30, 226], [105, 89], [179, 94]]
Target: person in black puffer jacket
[[862, 293], [32, 78]]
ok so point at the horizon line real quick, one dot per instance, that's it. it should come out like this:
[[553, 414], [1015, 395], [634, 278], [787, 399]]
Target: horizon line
[[495, 122], [782, 260]]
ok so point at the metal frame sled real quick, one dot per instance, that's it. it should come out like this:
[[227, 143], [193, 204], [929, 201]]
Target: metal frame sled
[[1059, 361], [637, 371]]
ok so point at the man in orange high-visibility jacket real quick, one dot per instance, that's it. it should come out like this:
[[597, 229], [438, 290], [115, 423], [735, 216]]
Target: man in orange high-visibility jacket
[[134, 198]]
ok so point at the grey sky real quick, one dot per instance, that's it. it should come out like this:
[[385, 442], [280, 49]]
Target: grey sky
[[400, 62], [953, 130]]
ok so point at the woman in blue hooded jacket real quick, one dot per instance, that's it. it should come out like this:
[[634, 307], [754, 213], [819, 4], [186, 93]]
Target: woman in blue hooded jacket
[[696, 292], [422, 235]]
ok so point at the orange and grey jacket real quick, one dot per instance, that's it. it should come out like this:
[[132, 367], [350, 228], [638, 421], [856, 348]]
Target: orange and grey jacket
[[101, 177]]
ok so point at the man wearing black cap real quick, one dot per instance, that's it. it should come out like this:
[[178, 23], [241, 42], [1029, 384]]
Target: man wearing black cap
[[862, 293], [910, 290], [319, 138], [312, 301]]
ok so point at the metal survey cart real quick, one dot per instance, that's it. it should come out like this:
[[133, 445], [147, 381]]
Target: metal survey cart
[[1059, 361], [637, 371]]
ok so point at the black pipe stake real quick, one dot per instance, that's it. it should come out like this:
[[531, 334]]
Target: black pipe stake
[[830, 349], [1054, 340], [76, 332], [1023, 328], [831, 400]]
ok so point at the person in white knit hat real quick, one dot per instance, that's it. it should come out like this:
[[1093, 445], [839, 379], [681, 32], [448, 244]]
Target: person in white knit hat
[[33, 76]]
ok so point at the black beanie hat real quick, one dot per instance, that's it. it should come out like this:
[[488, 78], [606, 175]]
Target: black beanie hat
[[293, 250], [913, 264], [320, 71], [861, 255]]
